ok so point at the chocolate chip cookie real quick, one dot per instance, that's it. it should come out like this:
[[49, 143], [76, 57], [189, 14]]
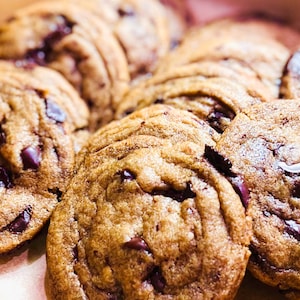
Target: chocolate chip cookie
[[99, 46], [290, 82], [73, 41], [142, 28], [226, 40], [214, 99], [148, 216], [38, 143], [263, 145]]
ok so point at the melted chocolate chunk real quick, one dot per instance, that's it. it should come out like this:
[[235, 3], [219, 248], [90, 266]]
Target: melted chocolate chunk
[[128, 112], [20, 223], [241, 189], [54, 112], [159, 101], [127, 175], [56, 192], [31, 157], [5, 180], [179, 196], [2, 136], [222, 164], [216, 116], [41, 93], [126, 11], [296, 190], [75, 253], [137, 243], [261, 261], [292, 228], [42, 55], [157, 280]]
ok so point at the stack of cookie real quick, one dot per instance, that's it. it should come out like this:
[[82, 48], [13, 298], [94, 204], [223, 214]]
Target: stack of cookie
[[160, 208], [99, 46], [65, 65], [218, 71], [232, 81], [193, 164]]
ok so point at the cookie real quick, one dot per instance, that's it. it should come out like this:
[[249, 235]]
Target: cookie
[[144, 34], [39, 142], [215, 100], [73, 41], [290, 82], [179, 19], [263, 144], [154, 219], [234, 71], [226, 40]]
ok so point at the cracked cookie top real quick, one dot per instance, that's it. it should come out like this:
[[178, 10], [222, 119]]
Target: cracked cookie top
[[148, 215]]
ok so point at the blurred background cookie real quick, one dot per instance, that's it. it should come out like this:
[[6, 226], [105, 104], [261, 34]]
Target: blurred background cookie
[[234, 41], [99, 46]]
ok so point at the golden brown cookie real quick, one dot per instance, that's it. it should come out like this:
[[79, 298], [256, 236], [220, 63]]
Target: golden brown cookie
[[235, 41], [73, 41], [215, 100], [38, 143], [234, 71], [142, 29], [52, 82], [147, 216], [263, 145]]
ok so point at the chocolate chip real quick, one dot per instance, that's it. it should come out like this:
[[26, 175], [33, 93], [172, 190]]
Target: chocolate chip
[[31, 157], [157, 280], [41, 93], [296, 190], [128, 112], [258, 258], [56, 192], [54, 112], [241, 189], [159, 101], [20, 223], [126, 175], [179, 196], [75, 253], [222, 164], [292, 228], [42, 54], [126, 11], [137, 243], [5, 180], [2, 136], [215, 117]]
